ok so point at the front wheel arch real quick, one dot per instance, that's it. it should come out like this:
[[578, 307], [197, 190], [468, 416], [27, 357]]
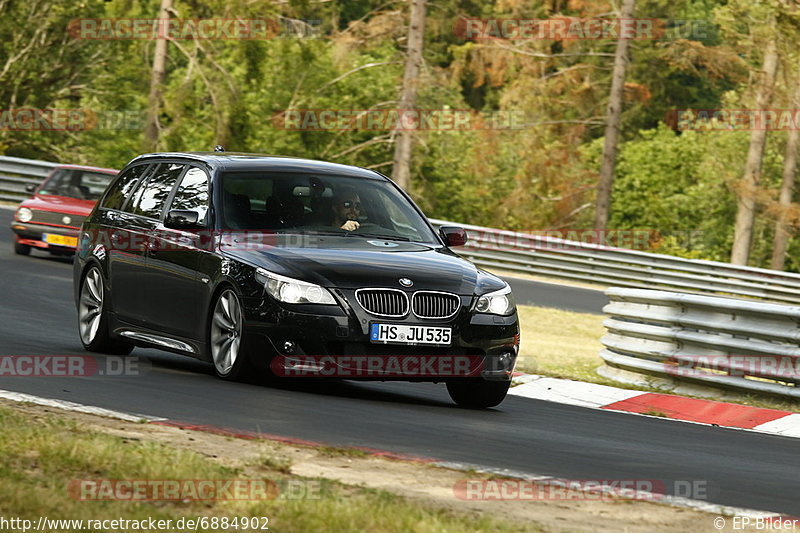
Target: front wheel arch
[[103, 340]]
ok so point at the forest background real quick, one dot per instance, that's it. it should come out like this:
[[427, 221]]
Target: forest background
[[540, 107]]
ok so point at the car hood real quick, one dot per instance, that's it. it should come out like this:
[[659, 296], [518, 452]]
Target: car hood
[[354, 262], [60, 204]]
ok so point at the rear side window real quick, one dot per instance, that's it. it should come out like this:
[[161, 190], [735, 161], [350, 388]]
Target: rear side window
[[122, 188], [192, 193], [151, 196]]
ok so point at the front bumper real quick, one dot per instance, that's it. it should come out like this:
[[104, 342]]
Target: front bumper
[[32, 235], [337, 338]]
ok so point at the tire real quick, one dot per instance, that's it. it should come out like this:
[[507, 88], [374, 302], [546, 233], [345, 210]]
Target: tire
[[478, 393], [228, 348], [21, 249], [93, 317]]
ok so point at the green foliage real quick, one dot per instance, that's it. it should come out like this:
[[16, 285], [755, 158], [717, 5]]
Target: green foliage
[[679, 187], [538, 176]]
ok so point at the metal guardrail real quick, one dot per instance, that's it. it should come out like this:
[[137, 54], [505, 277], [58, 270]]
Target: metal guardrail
[[548, 256], [573, 260], [720, 341], [16, 173]]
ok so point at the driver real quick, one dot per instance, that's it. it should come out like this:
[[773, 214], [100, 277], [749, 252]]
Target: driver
[[346, 209]]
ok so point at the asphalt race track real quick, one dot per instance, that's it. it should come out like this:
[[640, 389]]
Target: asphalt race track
[[744, 469]]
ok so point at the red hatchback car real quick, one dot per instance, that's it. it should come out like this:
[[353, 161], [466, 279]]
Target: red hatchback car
[[51, 220]]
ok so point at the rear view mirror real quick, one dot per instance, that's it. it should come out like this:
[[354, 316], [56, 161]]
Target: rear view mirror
[[453, 235], [30, 188], [181, 219]]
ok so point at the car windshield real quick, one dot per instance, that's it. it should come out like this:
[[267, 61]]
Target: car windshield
[[308, 203], [77, 183]]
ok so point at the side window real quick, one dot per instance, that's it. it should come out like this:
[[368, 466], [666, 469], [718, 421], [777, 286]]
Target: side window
[[151, 196], [121, 189], [57, 184], [192, 193]]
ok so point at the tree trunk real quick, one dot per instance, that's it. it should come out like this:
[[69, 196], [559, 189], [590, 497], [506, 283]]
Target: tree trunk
[[746, 202], [151, 129], [401, 171], [781, 240], [603, 202]]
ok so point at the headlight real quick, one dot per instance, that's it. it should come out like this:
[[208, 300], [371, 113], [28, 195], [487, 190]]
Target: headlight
[[24, 214], [293, 291], [497, 303]]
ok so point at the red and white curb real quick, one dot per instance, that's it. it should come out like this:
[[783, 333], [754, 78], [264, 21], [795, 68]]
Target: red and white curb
[[708, 412]]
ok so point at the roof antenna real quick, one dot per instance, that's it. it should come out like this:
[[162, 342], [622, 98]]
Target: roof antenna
[[219, 148]]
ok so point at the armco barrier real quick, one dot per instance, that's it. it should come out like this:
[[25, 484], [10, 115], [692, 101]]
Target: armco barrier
[[740, 344], [16, 173], [547, 256]]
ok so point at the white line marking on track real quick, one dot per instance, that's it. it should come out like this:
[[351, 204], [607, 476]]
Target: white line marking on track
[[675, 501], [77, 407]]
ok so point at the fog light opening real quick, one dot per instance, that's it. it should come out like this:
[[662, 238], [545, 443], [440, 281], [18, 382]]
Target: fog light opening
[[289, 347], [505, 361]]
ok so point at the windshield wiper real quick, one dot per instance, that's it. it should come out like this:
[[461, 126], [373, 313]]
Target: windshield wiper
[[315, 232], [379, 236]]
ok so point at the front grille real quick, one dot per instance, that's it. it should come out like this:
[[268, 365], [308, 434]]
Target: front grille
[[429, 304], [51, 217], [383, 302]]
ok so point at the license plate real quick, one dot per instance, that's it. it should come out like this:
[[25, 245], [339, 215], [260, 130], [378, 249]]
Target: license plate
[[405, 334], [60, 240]]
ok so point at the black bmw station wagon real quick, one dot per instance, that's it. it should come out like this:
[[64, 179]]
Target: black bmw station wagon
[[290, 268]]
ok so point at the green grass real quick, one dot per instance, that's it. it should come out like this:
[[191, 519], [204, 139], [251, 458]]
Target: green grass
[[334, 451], [560, 343], [566, 344], [39, 456], [278, 464]]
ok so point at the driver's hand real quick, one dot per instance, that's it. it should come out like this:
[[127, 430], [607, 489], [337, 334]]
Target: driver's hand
[[350, 225]]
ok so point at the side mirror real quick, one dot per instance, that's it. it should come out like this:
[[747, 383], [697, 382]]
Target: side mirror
[[181, 219], [453, 236], [30, 188]]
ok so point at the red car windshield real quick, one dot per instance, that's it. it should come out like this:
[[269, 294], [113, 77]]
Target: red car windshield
[[77, 183]]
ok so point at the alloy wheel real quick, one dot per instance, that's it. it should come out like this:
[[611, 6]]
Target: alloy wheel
[[90, 310], [226, 332]]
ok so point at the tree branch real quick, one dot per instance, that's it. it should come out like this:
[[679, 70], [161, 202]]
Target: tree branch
[[381, 139], [353, 71]]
